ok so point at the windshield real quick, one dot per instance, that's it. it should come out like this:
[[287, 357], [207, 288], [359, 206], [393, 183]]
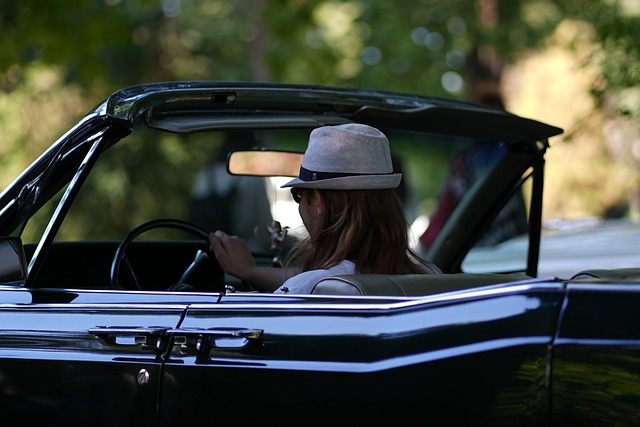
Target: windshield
[[40, 189], [153, 174]]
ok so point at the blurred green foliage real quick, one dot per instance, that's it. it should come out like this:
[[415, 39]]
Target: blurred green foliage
[[402, 45], [60, 58]]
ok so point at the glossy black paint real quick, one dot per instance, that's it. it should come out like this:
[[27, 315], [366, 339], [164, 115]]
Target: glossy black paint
[[55, 372], [368, 356], [596, 356]]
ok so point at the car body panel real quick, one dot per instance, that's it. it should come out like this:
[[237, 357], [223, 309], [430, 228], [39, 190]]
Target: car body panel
[[596, 355], [459, 349], [62, 363]]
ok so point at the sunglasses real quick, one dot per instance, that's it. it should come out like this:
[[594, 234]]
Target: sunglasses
[[297, 194]]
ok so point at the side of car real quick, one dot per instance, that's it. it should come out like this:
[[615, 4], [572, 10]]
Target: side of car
[[495, 353], [271, 358]]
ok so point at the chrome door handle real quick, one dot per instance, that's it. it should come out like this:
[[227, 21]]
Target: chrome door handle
[[131, 335], [222, 338]]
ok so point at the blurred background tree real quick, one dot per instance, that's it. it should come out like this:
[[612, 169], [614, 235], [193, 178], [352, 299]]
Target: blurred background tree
[[572, 63]]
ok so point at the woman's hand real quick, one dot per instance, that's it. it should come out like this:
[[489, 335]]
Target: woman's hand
[[235, 258], [232, 253]]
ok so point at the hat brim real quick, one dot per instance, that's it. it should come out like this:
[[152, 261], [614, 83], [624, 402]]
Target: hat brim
[[359, 182]]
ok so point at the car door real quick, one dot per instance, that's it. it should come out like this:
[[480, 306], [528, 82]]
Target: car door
[[463, 358], [82, 357], [596, 356]]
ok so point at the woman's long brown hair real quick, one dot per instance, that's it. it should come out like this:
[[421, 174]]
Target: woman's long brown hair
[[367, 227]]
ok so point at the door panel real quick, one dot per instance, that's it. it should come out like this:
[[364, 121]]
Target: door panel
[[364, 362], [66, 364]]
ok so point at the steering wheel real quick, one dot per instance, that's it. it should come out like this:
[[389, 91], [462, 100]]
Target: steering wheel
[[120, 257]]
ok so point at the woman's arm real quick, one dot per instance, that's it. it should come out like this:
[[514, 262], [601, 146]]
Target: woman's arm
[[235, 258]]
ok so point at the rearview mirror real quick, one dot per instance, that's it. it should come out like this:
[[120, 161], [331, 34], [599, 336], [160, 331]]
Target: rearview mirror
[[13, 262], [264, 163]]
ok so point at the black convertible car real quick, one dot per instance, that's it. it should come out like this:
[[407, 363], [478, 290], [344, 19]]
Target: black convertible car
[[114, 313]]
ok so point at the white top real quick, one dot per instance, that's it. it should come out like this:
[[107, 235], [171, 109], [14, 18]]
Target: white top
[[304, 282]]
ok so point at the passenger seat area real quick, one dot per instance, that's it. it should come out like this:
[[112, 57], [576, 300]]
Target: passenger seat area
[[408, 284]]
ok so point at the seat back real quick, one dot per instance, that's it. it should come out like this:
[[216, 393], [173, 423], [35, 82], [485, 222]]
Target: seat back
[[408, 284], [615, 274]]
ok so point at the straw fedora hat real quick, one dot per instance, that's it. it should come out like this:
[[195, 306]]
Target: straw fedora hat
[[352, 156]]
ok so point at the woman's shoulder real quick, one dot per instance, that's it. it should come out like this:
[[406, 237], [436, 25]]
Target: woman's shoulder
[[302, 283]]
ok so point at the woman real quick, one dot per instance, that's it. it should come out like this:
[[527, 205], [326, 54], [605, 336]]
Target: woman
[[354, 218]]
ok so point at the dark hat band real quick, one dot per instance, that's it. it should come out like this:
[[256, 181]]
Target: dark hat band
[[307, 175]]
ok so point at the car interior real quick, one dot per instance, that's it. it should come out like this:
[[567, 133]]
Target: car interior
[[466, 201]]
